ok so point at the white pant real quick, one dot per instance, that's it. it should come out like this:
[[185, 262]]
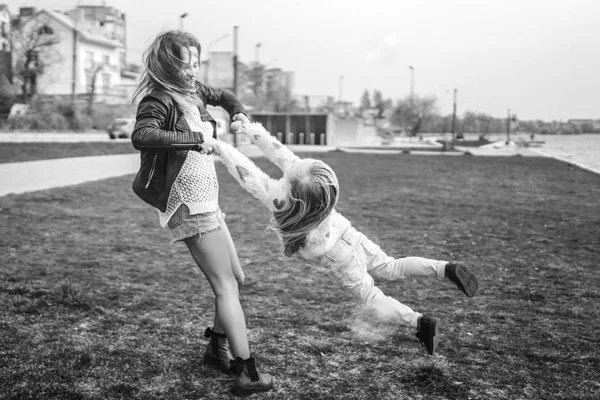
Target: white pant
[[354, 258]]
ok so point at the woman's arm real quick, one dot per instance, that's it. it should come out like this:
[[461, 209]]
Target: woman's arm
[[221, 98], [149, 135], [272, 148], [248, 175]]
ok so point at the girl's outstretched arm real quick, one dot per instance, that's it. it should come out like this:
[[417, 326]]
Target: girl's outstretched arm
[[266, 189], [272, 148]]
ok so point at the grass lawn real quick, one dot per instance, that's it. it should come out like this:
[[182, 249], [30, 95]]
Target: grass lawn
[[96, 304], [16, 152]]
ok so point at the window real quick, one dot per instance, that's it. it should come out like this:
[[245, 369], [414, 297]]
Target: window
[[105, 83], [106, 59], [89, 59], [45, 30], [89, 77], [4, 32]]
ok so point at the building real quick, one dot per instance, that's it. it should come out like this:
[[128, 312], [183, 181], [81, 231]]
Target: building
[[586, 125], [106, 21], [4, 28], [217, 70], [82, 58], [5, 43], [276, 77], [312, 103]]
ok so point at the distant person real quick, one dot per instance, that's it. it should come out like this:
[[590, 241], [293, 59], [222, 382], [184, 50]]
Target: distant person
[[302, 203], [177, 176]]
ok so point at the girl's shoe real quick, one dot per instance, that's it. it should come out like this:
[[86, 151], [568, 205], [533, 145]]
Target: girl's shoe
[[427, 333], [217, 352], [462, 278], [248, 380]]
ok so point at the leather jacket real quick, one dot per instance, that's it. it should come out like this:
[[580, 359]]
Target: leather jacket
[[163, 137]]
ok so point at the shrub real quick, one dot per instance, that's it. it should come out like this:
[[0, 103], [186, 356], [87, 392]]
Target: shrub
[[60, 114]]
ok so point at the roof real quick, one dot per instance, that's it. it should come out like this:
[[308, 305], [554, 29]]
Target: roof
[[82, 29]]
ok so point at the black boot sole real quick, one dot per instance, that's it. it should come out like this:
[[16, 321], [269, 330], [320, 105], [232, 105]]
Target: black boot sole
[[245, 392], [216, 363], [466, 281]]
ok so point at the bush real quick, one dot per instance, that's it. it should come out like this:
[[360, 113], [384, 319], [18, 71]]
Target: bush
[[104, 114], [59, 114]]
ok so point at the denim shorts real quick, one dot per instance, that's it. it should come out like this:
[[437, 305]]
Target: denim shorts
[[182, 225]]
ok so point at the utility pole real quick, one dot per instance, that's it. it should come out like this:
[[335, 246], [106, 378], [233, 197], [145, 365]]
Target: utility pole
[[412, 83], [256, 49], [454, 117], [181, 17], [235, 71], [74, 72], [508, 127]]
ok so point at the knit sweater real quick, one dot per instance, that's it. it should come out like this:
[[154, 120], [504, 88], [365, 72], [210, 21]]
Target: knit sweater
[[272, 192], [196, 186]]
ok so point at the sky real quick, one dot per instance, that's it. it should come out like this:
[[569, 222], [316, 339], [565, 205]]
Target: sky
[[540, 59]]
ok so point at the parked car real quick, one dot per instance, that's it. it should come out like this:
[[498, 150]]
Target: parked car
[[121, 128]]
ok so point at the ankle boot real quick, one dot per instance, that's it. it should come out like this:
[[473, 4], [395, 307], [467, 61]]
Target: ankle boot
[[217, 352], [248, 380]]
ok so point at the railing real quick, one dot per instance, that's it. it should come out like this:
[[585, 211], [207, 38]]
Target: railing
[[303, 139]]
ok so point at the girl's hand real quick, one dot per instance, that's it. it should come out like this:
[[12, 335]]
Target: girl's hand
[[210, 146], [239, 121]]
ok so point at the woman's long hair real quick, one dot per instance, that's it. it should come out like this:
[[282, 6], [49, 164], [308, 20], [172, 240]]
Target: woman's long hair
[[164, 62], [313, 193]]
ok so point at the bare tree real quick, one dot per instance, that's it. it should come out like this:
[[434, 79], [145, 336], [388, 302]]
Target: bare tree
[[365, 101], [95, 70], [413, 112], [33, 42]]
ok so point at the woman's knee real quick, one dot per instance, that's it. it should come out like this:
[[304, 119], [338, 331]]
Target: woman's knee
[[211, 253]]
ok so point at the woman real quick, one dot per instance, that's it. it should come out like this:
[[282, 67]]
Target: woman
[[177, 176]]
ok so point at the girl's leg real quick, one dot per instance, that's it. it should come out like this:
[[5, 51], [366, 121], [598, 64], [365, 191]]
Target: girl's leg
[[382, 266], [211, 253], [386, 307]]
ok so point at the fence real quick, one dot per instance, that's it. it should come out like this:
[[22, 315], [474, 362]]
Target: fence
[[297, 128]]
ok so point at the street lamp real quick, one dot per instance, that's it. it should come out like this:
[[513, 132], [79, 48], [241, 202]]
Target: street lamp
[[181, 17], [256, 51], [270, 62], [208, 54], [412, 81]]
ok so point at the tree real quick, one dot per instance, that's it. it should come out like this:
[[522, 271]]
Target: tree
[[33, 42], [266, 89], [94, 71], [365, 101], [413, 112]]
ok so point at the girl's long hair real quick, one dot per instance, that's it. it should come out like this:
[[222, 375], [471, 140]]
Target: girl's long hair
[[163, 62], [313, 193]]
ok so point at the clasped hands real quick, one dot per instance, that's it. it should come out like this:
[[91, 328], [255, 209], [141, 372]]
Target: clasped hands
[[211, 145]]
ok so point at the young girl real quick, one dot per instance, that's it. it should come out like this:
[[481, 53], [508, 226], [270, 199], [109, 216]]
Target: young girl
[[177, 176], [302, 203]]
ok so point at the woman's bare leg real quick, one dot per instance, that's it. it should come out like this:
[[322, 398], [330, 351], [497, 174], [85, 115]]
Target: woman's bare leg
[[211, 253]]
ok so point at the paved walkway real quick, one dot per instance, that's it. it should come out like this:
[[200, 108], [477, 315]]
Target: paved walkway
[[22, 177]]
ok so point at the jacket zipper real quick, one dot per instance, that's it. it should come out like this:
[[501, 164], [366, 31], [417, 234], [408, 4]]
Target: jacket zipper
[[151, 171]]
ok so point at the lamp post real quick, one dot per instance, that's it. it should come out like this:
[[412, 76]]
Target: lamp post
[[454, 117], [256, 52], [412, 82], [208, 54], [181, 17]]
